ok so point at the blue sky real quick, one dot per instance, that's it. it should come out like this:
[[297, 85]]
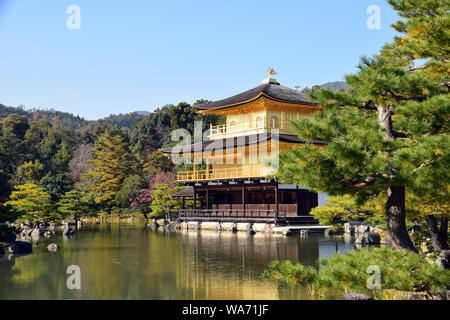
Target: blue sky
[[141, 55]]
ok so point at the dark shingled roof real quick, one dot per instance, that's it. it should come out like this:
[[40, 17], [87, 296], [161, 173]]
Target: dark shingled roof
[[270, 90], [188, 192], [237, 142]]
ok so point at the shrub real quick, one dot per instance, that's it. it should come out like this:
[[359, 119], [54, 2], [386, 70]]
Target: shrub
[[399, 270], [287, 273]]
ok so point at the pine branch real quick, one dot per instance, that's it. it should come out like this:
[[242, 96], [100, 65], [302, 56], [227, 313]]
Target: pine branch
[[367, 181], [390, 94], [430, 161]]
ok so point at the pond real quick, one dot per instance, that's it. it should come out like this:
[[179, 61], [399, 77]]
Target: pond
[[130, 261]]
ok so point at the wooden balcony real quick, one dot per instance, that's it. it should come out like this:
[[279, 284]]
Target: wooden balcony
[[259, 125], [251, 213], [238, 172]]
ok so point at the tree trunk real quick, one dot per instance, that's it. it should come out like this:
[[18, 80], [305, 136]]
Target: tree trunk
[[385, 121], [395, 206], [439, 242], [395, 219], [75, 217], [444, 230]]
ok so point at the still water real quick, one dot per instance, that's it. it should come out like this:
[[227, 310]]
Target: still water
[[129, 261]]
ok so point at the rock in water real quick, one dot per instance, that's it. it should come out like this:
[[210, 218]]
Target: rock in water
[[19, 247], [250, 230], [52, 247], [355, 296], [8, 236], [368, 238], [154, 224], [361, 229], [387, 241], [36, 233], [304, 233], [444, 259], [172, 226], [348, 228], [67, 231]]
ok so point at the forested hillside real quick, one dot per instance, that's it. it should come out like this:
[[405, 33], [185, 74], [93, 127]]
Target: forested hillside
[[73, 122], [54, 165]]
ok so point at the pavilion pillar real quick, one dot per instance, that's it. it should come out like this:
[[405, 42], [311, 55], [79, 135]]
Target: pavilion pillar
[[182, 202], [243, 198], [277, 201], [207, 199], [194, 205]]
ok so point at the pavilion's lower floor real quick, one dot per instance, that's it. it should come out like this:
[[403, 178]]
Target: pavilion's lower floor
[[247, 202]]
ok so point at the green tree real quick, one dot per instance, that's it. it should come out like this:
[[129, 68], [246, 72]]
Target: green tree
[[400, 271], [29, 171], [13, 149], [7, 214], [163, 205], [112, 163], [157, 162], [390, 129], [131, 188], [340, 209], [33, 202], [74, 205]]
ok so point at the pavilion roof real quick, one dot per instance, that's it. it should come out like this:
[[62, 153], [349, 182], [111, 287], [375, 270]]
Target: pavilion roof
[[271, 90], [187, 192], [236, 142]]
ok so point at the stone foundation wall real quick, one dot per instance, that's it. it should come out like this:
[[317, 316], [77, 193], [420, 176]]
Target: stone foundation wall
[[228, 226]]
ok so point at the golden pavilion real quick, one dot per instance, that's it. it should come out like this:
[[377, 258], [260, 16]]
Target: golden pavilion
[[232, 177]]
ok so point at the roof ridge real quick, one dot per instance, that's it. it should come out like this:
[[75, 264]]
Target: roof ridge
[[273, 90]]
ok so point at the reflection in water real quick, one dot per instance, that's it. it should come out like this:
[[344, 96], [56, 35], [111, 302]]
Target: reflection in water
[[128, 261]]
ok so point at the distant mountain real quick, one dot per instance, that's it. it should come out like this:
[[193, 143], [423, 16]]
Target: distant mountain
[[127, 120], [336, 85], [62, 119], [142, 113], [68, 120]]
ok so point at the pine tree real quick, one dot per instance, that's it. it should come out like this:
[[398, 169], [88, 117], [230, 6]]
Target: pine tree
[[33, 202], [163, 205], [390, 130], [340, 209], [74, 205], [112, 163]]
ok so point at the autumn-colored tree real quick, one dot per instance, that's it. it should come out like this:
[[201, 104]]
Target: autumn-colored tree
[[80, 163], [112, 163], [145, 198], [131, 188]]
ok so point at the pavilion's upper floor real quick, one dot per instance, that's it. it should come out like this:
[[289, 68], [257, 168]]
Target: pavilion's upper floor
[[263, 109]]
